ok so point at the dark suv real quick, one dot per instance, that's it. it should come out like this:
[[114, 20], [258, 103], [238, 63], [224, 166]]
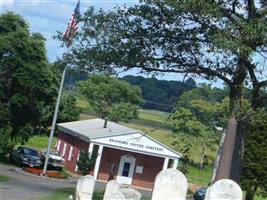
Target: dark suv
[[24, 156]]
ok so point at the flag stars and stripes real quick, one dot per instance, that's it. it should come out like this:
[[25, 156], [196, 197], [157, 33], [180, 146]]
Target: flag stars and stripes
[[72, 25]]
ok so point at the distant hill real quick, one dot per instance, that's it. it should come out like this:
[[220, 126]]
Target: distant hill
[[160, 94]]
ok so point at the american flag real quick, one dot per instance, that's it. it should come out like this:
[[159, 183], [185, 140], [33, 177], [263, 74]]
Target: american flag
[[72, 25]]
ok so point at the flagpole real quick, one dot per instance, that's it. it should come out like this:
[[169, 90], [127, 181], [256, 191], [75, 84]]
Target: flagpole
[[52, 131], [72, 28]]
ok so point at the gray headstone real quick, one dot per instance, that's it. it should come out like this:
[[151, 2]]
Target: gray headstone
[[170, 184], [224, 189], [85, 188], [112, 186]]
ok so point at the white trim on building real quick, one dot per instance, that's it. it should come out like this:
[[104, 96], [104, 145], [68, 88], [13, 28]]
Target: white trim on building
[[64, 149], [70, 153]]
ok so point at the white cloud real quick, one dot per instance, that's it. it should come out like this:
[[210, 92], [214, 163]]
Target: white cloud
[[49, 16]]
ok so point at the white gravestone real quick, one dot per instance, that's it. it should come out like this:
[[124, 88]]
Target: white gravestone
[[85, 188], [112, 186], [124, 193], [224, 189], [116, 196], [170, 184], [130, 193]]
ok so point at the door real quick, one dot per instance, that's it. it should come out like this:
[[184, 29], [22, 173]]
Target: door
[[126, 169]]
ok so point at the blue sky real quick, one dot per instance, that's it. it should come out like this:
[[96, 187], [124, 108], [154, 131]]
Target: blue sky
[[49, 16]]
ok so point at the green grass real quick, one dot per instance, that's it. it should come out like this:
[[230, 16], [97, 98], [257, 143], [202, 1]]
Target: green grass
[[39, 142], [64, 193], [200, 177], [4, 178], [260, 198], [61, 194]]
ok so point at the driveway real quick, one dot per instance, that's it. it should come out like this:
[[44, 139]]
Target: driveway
[[25, 187]]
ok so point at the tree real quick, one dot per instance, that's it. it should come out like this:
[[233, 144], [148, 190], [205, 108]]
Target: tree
[[28, 84], [85, 164], [26, 81], [211, 39], [110, 97], [254, 176]]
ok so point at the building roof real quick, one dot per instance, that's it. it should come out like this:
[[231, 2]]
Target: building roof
[[116, 136], [94, 128]]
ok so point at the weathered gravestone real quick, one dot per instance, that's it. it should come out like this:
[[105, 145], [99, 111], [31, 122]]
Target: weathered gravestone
[[116, 196], [112, 186], [130, 193], [124, 193], [224, 189], [170, 184], [85, 188]]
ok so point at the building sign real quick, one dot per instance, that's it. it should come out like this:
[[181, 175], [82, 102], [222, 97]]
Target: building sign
[[133, 144], [137, 142]]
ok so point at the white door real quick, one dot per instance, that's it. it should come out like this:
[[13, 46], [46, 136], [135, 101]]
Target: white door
[[126, 169]]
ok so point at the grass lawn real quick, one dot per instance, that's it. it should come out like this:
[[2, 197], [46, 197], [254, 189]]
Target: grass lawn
[[260, 198], [4, 178], [39, 142], [200, 177], [64, 193]]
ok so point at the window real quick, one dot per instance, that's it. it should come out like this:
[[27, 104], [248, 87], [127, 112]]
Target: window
[[58, 145], [126, 169], [64, 149], [70, 153]]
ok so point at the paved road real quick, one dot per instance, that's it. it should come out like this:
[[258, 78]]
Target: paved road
[[25, 187]]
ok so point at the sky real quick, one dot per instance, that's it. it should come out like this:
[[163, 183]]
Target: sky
[[49, 16]]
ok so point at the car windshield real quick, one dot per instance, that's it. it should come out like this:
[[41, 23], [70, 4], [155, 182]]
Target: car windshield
[[30, 152]]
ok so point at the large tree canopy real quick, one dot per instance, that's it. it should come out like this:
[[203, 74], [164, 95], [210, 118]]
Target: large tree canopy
[[213, 39], [28, 84], [111, 97], [26, 80]]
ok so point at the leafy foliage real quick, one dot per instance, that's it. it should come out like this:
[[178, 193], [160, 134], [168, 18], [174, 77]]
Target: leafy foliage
[[85, 164], [160, 94], [28, 84], [26, 80], [211, 39], [110, 97], [254, 175]]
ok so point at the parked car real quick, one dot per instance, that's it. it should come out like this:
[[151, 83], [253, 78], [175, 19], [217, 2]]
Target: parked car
[[55, 160], [24, 156], [200, 194]]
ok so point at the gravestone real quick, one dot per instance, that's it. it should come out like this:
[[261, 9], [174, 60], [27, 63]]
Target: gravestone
[[170, 184], [116, 196], [124, 193], [70, 197], [112, 186], [130, 193], [85, 188], [224, 189]]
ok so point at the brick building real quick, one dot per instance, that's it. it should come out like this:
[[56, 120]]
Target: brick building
[[132, 156]]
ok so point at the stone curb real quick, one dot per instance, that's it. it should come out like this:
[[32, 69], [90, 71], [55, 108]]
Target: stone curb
[[68, 180]]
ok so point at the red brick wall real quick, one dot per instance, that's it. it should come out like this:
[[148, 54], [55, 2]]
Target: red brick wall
[[77, 146], [151, 166]]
